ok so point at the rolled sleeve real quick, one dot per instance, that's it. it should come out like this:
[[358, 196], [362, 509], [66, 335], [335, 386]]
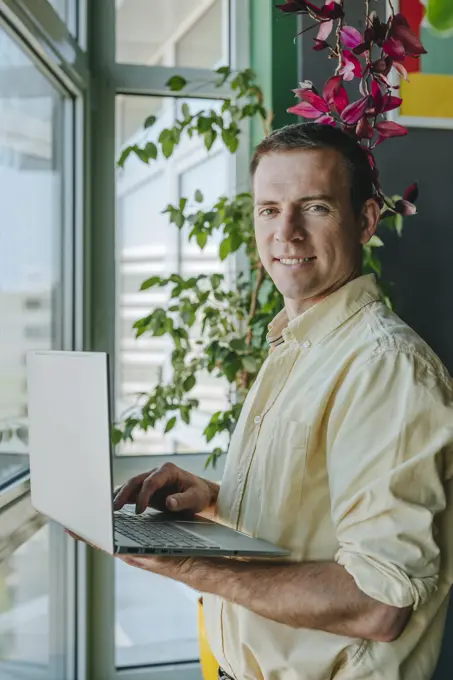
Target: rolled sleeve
[[389, 434]]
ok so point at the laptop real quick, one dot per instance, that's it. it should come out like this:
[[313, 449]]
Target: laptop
[[71, 462]]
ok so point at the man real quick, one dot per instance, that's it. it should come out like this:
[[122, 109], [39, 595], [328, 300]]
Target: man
[[342, 454]]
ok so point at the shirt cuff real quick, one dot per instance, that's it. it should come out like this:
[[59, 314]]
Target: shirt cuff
[[385, 582]]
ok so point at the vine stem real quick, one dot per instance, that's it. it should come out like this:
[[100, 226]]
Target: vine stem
[[338, 43]]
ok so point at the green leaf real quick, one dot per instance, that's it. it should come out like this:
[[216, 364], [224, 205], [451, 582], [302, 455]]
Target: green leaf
[[124, 156], [203, 124], [185, 111], [230, 140], [202, 238], [375, 242], [149, 121], [209, 138], [238, 344], [182, 203], [399, 221], [224, 72], [179, 219], [170, 424], [198, 196], [167, 147], [151, 150], [250, 364], [236, 240], [153, 281], [117, 436], [185, 415], [225, 248], [176, 83], [189, 383]]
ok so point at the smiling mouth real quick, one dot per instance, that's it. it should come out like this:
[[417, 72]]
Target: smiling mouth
[[293, 261]]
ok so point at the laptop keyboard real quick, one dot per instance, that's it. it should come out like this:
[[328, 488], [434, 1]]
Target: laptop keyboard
[[157, 535]]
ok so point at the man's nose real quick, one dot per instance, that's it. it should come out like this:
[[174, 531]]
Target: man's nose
[[290, 227]]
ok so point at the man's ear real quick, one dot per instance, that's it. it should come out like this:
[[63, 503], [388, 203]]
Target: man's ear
[[369, 220]]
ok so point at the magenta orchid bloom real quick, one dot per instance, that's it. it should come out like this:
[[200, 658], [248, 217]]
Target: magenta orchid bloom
[[312, 105], [403, 39], [350, 37], [331, 10], [383, 46], [388, 129], [382, 102], [355, 111], [351, 67]]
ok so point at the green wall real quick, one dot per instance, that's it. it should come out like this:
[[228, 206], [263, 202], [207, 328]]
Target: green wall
[[274, 50]]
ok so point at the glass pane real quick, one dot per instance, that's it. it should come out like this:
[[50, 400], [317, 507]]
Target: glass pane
[[148, 245], [24, 611], [172, 33], [156, 619], [31, 116], [200, 45], [67, 9]]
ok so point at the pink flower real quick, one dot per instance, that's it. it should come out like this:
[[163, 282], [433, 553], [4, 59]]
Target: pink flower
[[355, 111], [382, 103], [316, 107], [325, 29], [350, 37], [351, 66], [311, 106], [364, 129], [395, 49], [335, 95], [331, 10], [402, 32], [387, 129]]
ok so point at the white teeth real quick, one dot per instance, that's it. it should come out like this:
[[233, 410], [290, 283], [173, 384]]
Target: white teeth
[[296, 261]]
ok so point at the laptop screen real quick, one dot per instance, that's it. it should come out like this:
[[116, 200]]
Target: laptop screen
[[69, 437]]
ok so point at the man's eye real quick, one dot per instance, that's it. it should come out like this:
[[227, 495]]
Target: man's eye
[[267, 212], [318, 208]]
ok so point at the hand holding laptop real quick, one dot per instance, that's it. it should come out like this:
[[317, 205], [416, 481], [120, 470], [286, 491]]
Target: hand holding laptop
[[70, 434], [167, 487]]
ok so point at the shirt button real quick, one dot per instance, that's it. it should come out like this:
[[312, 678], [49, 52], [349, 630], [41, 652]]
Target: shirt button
[[306, 344], [239, 477], [257, 420]]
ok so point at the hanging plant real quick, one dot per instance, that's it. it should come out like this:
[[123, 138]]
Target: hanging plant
[[368, 59]]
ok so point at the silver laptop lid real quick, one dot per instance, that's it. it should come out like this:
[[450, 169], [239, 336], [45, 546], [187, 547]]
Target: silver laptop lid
[[69, 435]]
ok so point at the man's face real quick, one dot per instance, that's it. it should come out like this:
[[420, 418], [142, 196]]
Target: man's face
[[307, 235]]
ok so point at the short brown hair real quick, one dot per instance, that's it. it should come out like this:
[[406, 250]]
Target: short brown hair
[[318, 136]]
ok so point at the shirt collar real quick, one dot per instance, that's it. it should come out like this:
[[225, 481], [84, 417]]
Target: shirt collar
[[316, 323]]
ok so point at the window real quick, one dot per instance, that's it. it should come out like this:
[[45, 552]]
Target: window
[[24, 610], [28, 612], [32, 115], [148, 245], [156, 619], [172, 33], [67, 10]]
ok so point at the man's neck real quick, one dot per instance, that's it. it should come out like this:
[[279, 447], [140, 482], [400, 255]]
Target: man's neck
[[295, 308]]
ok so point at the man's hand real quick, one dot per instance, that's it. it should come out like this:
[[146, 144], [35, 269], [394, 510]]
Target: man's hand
[[167, 488]]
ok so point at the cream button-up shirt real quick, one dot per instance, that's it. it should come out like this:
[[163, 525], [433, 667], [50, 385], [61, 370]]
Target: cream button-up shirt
[[344, 452]]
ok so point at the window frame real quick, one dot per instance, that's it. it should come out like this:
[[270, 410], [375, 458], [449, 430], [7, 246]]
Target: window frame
[[53, 50]]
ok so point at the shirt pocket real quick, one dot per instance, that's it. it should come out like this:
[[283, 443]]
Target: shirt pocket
[[281, 471]]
